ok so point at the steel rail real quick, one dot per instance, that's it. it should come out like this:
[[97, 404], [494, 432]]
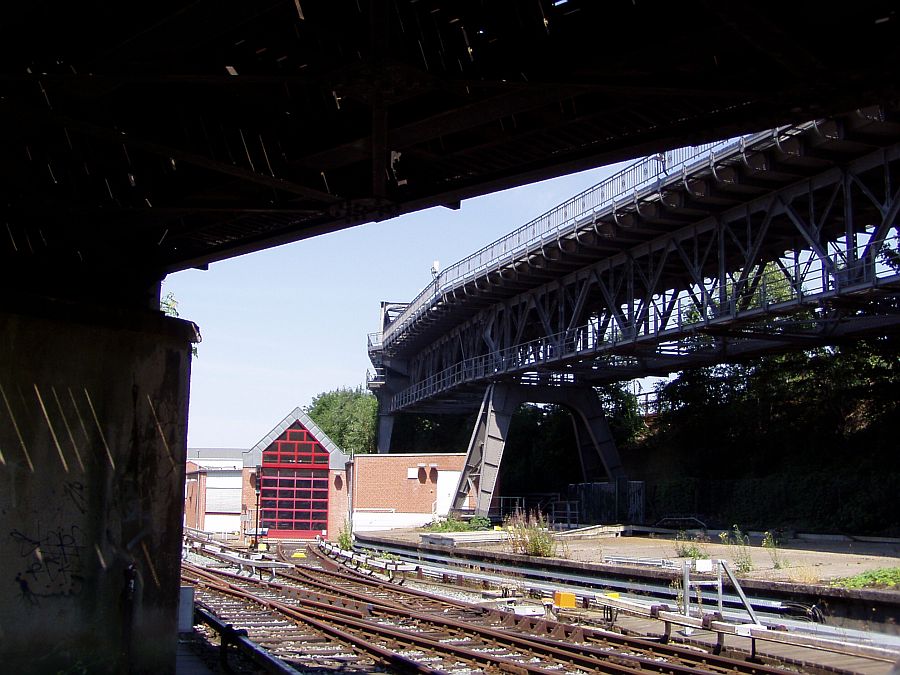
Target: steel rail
[[387, 656], [610, 638], [315, 603], [565, 633], [536, 576], [401, 637], [678, 659], [827, 644], [228, 635], [601, 661]]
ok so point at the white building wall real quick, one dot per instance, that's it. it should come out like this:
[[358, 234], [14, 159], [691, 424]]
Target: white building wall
[[445, 489], [372, 521], [223, 500], [222, 522]]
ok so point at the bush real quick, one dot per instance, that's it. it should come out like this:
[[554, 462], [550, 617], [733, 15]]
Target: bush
[[690, 546], [740, 548], [345, 537], [770, 542], [448, 524], [528, 535], [480, 523]]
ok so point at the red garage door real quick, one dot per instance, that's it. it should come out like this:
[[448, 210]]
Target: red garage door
[[294, 486]]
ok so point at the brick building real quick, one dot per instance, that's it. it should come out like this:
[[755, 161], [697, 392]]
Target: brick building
[[403, 490], [307, 486]]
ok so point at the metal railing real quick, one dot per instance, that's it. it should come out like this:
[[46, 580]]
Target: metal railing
[[814, 280], [649, 173], [231, 637]]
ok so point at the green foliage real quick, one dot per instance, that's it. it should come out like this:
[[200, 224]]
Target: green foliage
[[529, 535], [886, 577], [480, 523], [348, 416], [454, 524], [345, 537], [431, 433], [168, 305], [889, 255], [770, 543], [739, 544], [622, 411], [765, 442], [690, 546], [449, 524], [541, 453]]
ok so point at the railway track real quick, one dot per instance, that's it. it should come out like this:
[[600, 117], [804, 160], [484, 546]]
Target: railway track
[[373, 624]]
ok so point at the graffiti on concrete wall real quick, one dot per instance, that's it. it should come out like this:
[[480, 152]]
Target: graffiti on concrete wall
[[52, 562]]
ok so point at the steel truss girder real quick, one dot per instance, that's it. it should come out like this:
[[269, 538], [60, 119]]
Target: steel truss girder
[[808, 239], [596, 448]]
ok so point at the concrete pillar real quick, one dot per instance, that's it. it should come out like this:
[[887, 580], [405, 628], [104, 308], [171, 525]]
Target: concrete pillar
[[93, 427]]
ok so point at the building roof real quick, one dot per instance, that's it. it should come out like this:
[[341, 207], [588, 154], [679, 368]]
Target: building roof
[[337, 457], [215, 453], [217, 459]]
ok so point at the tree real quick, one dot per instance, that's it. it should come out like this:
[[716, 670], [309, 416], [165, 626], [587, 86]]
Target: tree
[[348, 416], [540, 454], [622, 412], [423, 432], [803, 439]]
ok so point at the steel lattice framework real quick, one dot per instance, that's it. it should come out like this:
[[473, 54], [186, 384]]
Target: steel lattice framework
[[778, 241]]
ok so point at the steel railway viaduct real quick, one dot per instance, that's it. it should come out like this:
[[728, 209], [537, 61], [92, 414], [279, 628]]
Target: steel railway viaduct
[[142, 139], [777, 240]]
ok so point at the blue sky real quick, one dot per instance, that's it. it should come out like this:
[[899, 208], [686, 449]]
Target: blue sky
[[284, 325]]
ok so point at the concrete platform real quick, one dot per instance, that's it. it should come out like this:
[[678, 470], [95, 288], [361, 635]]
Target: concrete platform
[[187, 662], [802, 560]]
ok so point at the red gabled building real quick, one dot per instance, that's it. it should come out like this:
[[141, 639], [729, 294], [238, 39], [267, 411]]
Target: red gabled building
[[302, 485]]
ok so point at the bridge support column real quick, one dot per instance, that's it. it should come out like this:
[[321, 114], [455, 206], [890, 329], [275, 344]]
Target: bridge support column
[[385, 431], [596, 448], [479, 474], [93, 423]]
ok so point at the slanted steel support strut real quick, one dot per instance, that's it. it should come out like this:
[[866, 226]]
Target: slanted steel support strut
[[597, 450]]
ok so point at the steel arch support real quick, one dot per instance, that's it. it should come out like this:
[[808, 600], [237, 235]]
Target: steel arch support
[[479, 474], [596, 447]]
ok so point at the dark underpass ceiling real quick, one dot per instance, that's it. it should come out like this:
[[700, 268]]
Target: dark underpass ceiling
[[164, 135]]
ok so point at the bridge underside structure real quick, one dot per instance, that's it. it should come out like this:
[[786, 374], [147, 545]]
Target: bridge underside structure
[[140, 139], [781, 240]]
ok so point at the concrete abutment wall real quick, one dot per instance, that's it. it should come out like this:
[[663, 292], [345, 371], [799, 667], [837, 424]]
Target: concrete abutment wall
[[93, 428]]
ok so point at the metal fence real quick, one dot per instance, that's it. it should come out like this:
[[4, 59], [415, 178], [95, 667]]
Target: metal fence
[[598, 501]]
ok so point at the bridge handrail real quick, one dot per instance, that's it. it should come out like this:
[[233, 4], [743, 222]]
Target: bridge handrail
[[627, 182]]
